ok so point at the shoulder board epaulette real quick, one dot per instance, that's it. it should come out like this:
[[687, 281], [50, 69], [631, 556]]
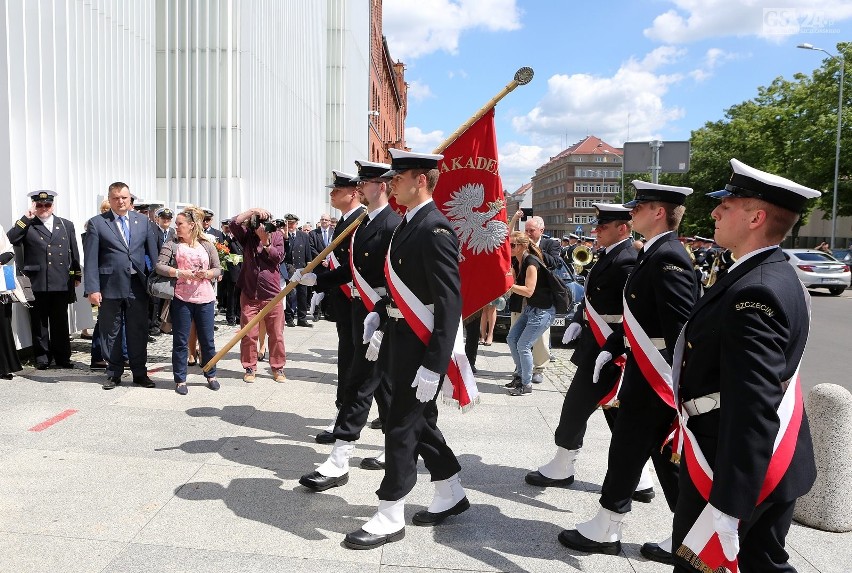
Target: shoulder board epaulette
[[437, 230]]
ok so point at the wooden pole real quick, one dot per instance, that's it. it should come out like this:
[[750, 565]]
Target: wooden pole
[[284, 292], [522, 77]]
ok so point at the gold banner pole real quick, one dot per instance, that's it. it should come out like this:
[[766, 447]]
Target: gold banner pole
[[284, 292], [522, 77]]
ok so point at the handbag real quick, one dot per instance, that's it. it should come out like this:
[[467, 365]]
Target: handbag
[[162, 287]]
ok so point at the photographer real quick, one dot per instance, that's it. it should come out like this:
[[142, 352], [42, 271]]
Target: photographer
[[260, 282]]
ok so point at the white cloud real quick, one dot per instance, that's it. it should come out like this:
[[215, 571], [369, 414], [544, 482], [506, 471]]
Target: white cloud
[[418, 91], [423, 142], [713, 58], [581, 104], [518, 162], [415, 28], [693, 20]]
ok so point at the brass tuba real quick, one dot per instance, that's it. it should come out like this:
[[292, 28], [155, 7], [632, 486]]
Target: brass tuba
[[580, 257]]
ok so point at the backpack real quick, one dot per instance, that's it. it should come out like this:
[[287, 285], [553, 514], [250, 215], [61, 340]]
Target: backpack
[[558, 290]]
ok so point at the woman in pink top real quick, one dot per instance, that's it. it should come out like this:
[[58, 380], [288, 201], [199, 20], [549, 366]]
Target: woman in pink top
[[194, 261]]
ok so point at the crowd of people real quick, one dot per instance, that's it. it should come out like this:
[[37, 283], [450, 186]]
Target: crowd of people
[[653, 348]]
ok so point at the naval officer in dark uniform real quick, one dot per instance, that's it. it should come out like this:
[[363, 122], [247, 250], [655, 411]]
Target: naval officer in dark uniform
[[423, 270], [364, 378], [659, 295], [52, 263], [337, 283], [738, 386], [604, 294]]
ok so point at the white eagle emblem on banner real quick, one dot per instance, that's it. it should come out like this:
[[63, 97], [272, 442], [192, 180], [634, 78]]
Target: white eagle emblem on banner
[[478, 231]]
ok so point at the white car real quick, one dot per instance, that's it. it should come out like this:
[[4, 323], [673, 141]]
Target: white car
[[817, 269]]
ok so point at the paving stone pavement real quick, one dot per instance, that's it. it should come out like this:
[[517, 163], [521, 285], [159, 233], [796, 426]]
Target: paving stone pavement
[[139, 480]]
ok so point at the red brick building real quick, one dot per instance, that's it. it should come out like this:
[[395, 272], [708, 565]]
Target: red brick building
[[566, 186], [388, 93]]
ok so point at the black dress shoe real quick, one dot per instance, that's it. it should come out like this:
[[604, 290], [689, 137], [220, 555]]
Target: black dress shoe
[[643, 495], [362, 540], [536, 478], [371, 464], [318, 482], [144, 381], [426, 517], [573, 539], [42, 366], [304, 323], [376, 424], [99, 365], [324, 438], [656, 553], [66, 365], [112, 382]]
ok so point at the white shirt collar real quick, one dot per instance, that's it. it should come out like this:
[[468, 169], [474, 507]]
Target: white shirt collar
[[373, 214], [747, 256], [611, 247], [48, 222], [349, 212], [411, 212], [654, 239]]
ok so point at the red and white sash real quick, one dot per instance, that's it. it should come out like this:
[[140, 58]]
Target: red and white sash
[[602, 330], [368, 294], [462, 391], [702, 541], [650, 360], [333, 263]]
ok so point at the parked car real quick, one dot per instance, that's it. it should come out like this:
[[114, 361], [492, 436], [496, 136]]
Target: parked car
[[843, 255], [817, 269], [557, 329]]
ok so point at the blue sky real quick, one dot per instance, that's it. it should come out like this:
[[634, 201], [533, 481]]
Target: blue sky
[[620, 70]]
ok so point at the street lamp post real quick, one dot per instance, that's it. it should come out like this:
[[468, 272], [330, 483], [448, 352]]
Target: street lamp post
[[842, 61]]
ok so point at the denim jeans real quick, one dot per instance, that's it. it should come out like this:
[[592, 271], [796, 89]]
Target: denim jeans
[[182, 315], [529, 327]]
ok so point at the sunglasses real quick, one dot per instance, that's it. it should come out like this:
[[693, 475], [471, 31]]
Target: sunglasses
[[516, 245], [41, 205]]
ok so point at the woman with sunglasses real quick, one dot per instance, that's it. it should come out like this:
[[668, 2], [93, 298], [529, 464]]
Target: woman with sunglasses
[[196, 265], [532, 297]]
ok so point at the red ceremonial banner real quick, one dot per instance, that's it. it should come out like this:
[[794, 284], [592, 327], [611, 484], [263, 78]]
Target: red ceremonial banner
[[470, 194]]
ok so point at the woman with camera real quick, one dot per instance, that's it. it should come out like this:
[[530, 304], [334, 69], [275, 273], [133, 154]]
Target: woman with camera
[[531, 297], [196, 265], [9, 361]]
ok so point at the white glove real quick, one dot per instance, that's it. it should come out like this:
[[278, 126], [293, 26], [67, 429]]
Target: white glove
[[372, 353], [602, 359], [426, 383], [727, 528], [371, 323], [315, 300], [307, 279], [571, 333]]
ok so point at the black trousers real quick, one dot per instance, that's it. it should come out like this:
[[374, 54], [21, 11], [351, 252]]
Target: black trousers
[[761, 537], [297, 304], [411, 428], [131, 314], [365, 380], [471, 341], [49, 326], [582, 397], [345, 345], [232, 300], [641, 427]]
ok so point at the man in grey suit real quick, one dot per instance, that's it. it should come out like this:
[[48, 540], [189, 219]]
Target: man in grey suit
[[115, 276]]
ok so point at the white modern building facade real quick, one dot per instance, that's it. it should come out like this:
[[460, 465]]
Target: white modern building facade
[[225, 104]]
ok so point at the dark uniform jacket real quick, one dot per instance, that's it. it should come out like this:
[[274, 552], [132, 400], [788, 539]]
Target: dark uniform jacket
[[745, 337], [661, 291], [217, 235], [605, 290], [371, 245], [163, 237], [298, 250], [424, 254], [342, 274], [51, 258]]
